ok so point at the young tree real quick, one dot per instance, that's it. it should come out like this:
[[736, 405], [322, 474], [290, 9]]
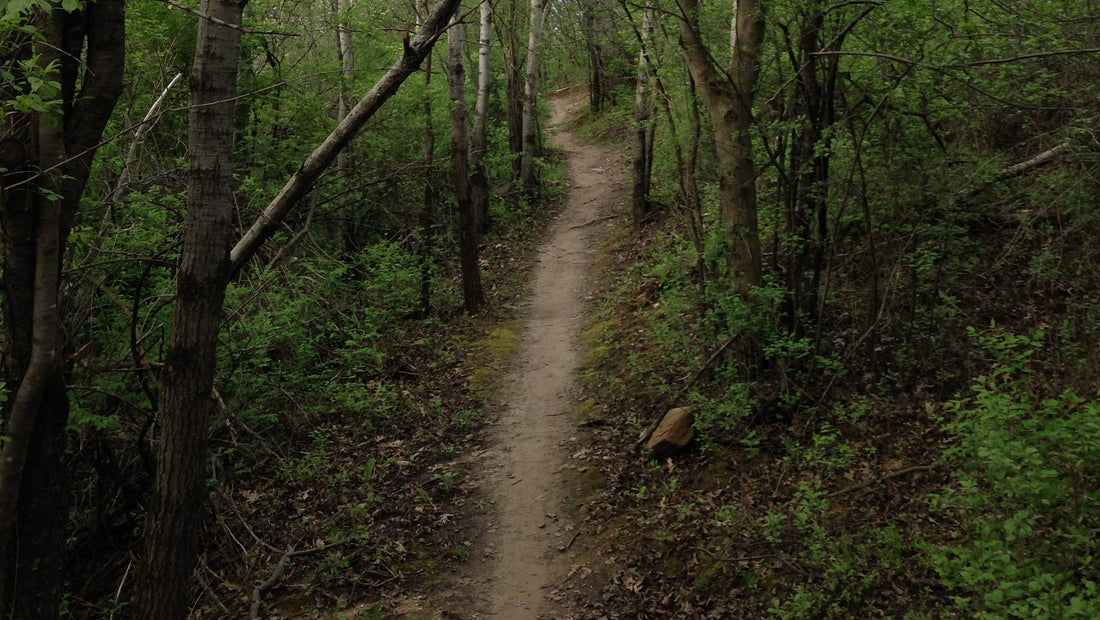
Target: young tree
[[508, 25], [596, 73], [427, 213], [469, 231], [643, 126], [530, 97], [46, 151]]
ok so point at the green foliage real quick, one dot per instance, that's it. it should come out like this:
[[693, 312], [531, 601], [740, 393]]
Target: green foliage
[[1026, 494]]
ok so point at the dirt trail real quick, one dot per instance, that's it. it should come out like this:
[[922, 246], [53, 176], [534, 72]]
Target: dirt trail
[[524, 563], [534, 435]]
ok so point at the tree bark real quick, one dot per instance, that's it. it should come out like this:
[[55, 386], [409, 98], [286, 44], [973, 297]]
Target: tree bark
[[528, 174], [319, 160], [175, 517], [469, 234], [513, 84]]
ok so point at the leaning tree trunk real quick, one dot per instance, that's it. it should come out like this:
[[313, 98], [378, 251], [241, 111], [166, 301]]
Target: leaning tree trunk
[[469, 233], [175, 518], [528, 174], [299, 184], [46, 160]]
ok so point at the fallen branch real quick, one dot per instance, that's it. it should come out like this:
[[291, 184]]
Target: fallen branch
[[1020, 169], [595, 221], [893, 474], [135, 146], [258, 591], [302, 181]]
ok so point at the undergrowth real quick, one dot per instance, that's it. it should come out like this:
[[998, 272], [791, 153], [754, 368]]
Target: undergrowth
[[937, 462]]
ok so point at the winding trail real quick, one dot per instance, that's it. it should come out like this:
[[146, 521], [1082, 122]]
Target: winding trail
[[523, 564], [532, 528]]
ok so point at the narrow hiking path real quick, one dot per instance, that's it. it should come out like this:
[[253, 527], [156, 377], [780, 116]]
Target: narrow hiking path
[[532, 532], [523, 563]]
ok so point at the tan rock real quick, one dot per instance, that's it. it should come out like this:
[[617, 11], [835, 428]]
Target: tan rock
[[672, 434]]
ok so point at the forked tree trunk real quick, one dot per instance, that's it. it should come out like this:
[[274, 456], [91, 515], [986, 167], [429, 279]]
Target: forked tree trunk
[[175, 518], [45, 359], [528, 173]]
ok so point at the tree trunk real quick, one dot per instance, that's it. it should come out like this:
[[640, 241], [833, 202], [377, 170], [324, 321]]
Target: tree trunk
[[47, 159], [729, 101], [528, 174], [479, 141], [469, 234], [513, 84], [642, 126], [175, 518], [45, 357], [427, 213]]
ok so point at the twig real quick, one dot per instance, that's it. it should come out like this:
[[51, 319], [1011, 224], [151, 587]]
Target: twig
[[259, 590], [595, 221], [570, 543], [893, 474], [741, 558], [210, 591], [125, 574]]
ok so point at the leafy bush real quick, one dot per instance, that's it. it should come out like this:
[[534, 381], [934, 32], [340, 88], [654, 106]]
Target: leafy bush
[[1026, 493]]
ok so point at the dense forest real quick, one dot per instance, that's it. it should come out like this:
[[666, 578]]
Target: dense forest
[[256, 256]]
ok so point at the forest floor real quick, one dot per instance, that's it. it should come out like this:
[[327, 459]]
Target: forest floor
[[527, 558]]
